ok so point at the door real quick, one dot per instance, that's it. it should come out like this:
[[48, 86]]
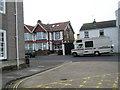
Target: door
[[80, 49]]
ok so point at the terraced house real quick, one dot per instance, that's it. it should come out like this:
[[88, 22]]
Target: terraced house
[[11, 30], [50, 37]]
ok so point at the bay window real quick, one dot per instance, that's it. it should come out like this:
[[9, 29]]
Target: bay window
[[29, 46], [28, 36], [41, 46], [41, 35]]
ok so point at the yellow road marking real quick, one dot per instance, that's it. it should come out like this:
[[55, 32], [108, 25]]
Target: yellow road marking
[[81, 86], [100, 83], [76, 80], [85, 81], [97, 86], [17, 84], [115, 85]]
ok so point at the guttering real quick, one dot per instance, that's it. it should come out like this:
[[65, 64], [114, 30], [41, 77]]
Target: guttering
[[17, 39]]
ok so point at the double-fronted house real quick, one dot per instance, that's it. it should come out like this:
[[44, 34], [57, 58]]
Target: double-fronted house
[[49, 37], [11, 30], [101, 29]]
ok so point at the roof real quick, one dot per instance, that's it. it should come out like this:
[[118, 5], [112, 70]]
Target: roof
[[98, 25], [49, 27], [59, 26], [29, 28]]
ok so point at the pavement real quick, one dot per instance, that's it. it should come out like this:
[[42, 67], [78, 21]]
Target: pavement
[[34, 68]]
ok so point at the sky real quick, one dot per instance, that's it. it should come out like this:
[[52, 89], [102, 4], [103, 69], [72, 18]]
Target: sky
[[77, 12]]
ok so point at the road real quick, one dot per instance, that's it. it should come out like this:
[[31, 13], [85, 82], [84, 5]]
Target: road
[[79, 72]]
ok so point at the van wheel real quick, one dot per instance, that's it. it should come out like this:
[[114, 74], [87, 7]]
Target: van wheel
[[97, 53], [74, 54]]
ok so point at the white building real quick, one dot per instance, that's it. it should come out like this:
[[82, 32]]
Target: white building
[[101, 29]]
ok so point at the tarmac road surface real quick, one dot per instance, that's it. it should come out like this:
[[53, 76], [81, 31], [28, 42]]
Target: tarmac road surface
[[97, 74]]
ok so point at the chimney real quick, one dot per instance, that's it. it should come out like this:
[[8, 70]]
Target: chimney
[[94, 21], [39, 21]]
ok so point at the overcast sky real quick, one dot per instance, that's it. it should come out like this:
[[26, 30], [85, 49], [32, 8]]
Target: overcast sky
[[76, 11]]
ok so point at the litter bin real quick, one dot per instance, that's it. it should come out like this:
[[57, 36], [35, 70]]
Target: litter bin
[[27, 61]]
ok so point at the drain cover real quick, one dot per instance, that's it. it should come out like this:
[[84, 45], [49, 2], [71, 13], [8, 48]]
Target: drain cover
[[63, 79]]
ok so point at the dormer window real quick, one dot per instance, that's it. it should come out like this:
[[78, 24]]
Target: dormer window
[[53, 25], [57, 25], [2, 6]]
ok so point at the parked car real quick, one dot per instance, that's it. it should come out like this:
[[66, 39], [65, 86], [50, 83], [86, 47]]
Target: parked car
[[30, 53]]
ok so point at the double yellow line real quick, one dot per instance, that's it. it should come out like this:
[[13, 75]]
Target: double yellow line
[[18, 83]]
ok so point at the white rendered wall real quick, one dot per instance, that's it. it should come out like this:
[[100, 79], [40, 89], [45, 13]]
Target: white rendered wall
[[111, 32]]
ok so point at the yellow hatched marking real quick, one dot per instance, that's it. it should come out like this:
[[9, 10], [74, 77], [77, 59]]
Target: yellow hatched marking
[[100, 83], [104, 75], [81, 86], [85, 82], [65, 84], [97, 86], [115, 85]]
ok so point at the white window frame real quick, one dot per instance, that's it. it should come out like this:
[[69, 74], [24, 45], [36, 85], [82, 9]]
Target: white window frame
[[42, 47], [41, 35], [28, 46], [101, 31], [4, 6], [28, 37], [4, 47], [57, 35], [86, 33]]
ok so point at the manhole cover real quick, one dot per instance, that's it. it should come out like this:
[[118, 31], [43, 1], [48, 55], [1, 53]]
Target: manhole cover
[[63, 79]]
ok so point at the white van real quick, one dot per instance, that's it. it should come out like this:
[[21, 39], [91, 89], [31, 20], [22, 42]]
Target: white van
[[96, 46]]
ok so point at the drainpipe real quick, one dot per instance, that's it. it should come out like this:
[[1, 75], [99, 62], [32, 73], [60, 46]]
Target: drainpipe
[[17, 48]]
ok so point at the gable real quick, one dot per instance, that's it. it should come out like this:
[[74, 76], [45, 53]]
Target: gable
[[25, 30], [39, 29], [28, 28]]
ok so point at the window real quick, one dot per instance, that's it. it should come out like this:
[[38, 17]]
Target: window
[[57, 46], [2, 6], [27, 36], [57, 35], [89, 44], [3, 44], [28, 46], [44, 35], [42, 46], [101, 32], [80, 46], [78, 41], [41, 35], [86, 34]]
